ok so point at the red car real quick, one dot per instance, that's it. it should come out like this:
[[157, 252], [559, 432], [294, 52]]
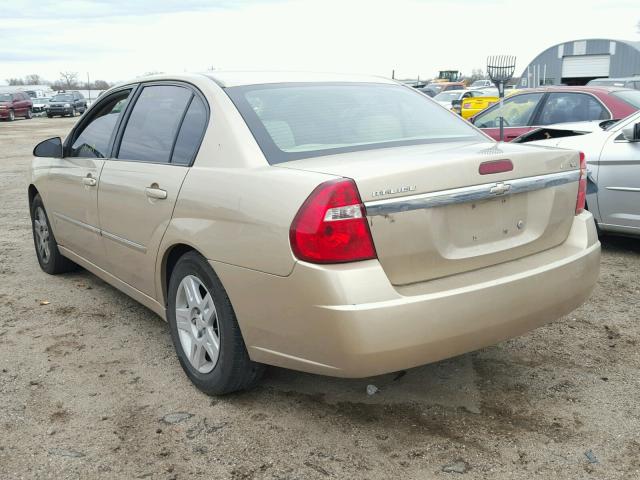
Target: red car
[[16, 104], [537, 107]]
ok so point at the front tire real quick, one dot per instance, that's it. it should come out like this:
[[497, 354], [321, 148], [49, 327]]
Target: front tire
[[12, 116], [28, 115], [205, 332], [49, 257]]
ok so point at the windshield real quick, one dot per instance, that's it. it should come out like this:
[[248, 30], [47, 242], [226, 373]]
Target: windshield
[[300, 120], [632, 97], [479, 83], [448, 96], [62, 98], [5, 97]]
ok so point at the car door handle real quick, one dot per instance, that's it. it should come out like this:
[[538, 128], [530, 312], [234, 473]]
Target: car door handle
[[89, 181], [157, 193]]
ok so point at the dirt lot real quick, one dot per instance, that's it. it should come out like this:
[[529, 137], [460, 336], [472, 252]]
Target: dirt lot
[[90, 387]]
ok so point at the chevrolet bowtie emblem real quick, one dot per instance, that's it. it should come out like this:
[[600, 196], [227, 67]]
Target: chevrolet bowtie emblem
[[500, 188]]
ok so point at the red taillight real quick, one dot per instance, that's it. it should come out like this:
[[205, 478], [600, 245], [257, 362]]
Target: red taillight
[[582, 185], [331, 226]]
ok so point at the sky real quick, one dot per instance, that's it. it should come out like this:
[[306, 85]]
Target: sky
[[116, 40]]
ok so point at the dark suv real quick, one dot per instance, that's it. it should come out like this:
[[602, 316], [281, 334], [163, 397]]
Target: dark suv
[[66, 103], [16, 104]]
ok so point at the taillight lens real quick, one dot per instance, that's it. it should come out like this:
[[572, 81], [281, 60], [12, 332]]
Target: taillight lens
[[582, 185], [331, 226]]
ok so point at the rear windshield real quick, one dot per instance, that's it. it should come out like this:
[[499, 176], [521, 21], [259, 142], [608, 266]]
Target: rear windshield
[[632, 97], [448, 96], [300, 120]]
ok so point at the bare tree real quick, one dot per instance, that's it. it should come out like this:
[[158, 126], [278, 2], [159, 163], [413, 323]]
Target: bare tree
[[34, 79], [15, 81], [100, 85], [69, 79]]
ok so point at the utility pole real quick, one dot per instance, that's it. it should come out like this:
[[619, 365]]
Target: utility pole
[[89, 86], [393, 74]]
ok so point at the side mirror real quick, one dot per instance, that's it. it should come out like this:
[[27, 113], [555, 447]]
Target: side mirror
[[456, 106], [51, 148], [632, 133]]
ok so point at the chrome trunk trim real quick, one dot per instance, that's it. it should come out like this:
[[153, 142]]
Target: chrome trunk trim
[[474, 193]]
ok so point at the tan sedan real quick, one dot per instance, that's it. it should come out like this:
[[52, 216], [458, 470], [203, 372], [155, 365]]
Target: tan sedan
[[345, 226]]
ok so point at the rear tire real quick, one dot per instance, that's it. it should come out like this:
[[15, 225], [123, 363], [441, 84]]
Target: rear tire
[[28, 115], [200, 317], [49, 257]]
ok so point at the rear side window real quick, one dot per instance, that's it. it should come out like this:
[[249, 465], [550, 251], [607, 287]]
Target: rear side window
[[571, 107], [191, 131], [93, 140], [153, 124]]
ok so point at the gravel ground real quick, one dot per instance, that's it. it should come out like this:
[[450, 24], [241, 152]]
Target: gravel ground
[[90, 387]]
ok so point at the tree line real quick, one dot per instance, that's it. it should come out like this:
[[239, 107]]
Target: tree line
[[67, 81]]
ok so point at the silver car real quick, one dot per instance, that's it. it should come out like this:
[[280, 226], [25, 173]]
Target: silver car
[[613, 160]]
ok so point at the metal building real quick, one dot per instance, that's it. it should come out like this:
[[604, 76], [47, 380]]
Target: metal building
[[578, 61]]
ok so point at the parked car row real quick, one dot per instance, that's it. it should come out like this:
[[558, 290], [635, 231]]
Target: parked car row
[[21, 104]]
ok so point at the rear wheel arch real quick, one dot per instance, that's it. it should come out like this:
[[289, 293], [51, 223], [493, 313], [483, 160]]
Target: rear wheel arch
[[169, 260]]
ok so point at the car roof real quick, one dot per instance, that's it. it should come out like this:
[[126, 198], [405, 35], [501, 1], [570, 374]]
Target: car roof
[[236, 79], [618, 79], [566, 88]]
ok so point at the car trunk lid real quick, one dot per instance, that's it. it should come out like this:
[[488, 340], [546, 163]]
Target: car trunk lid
[[432, 214]]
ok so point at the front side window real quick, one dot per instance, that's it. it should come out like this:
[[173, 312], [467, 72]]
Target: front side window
[[300, 120], [5, 97], [153, 124], [94, 139], [517, 112]]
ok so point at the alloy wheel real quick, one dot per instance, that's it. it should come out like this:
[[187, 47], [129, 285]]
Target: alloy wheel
[[41, 229], [197, 323]]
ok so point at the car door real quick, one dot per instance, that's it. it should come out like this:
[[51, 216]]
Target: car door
[[139, 188], [518, 112], [619, 183], [72, 189]]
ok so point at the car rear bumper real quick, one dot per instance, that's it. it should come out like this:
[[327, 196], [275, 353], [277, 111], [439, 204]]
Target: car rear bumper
[[349, 321]]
